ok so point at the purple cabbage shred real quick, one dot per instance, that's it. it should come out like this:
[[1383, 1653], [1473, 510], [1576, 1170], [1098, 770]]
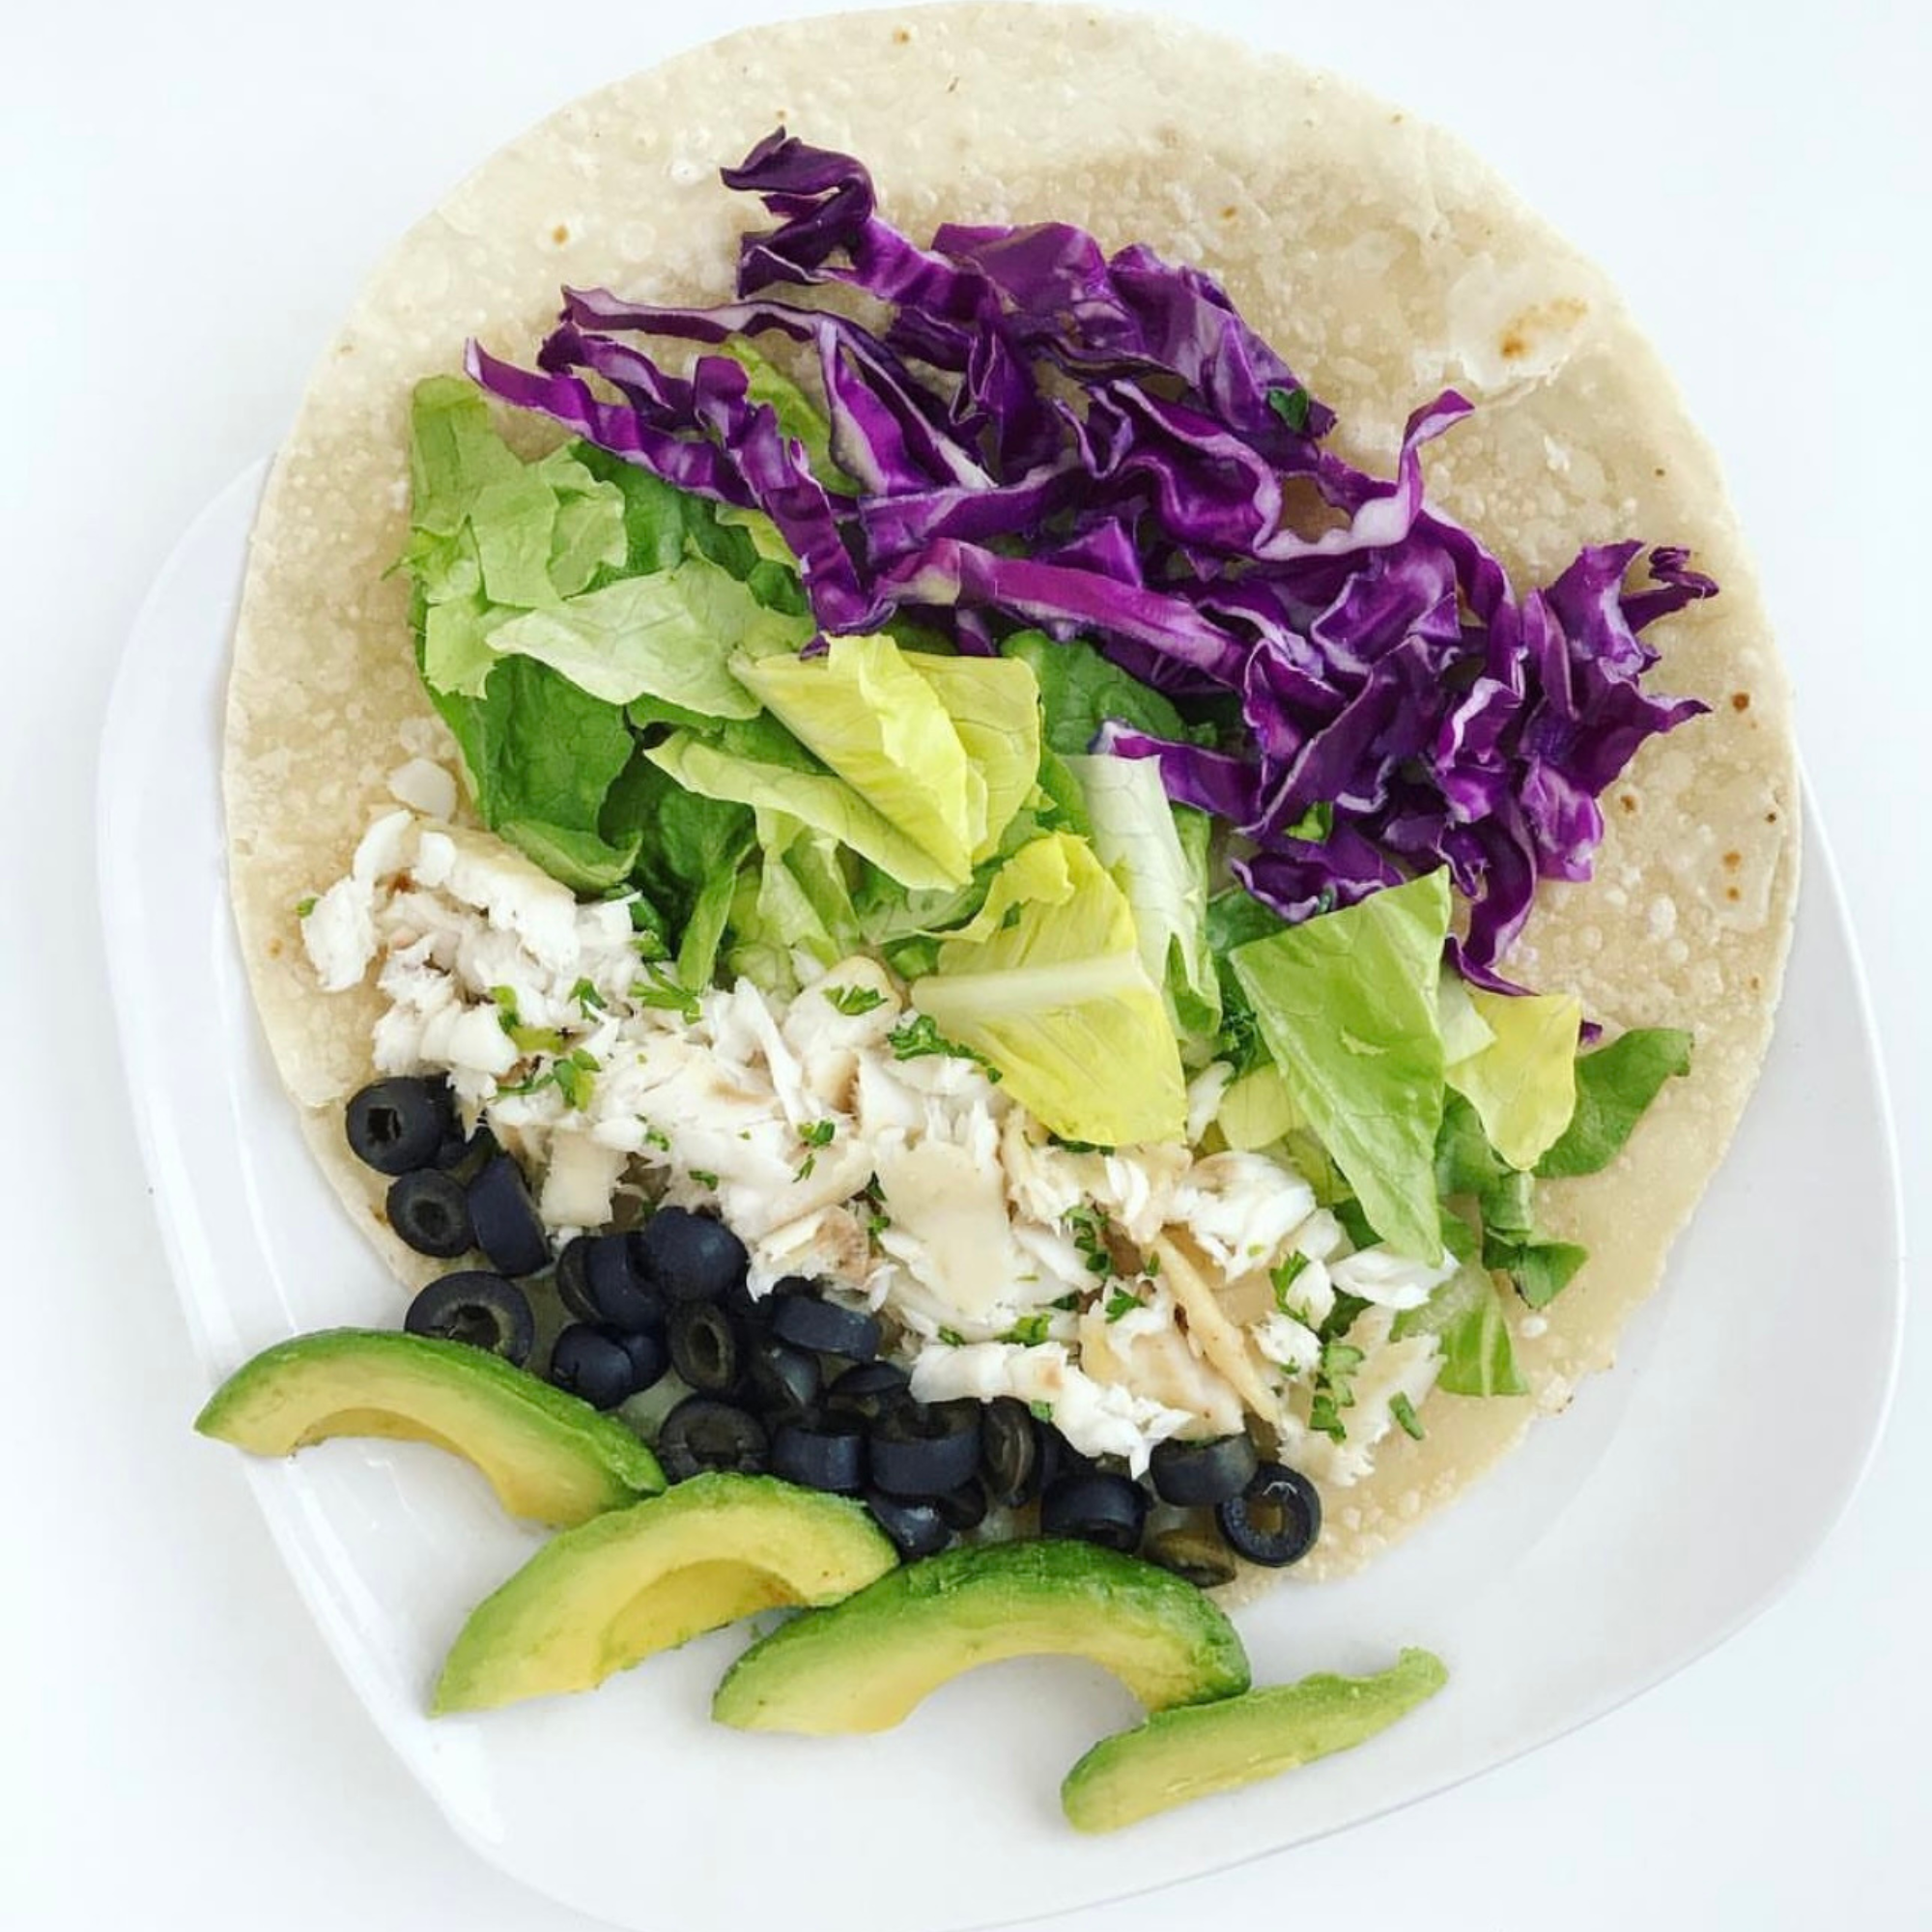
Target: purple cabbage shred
[[1383, 663]]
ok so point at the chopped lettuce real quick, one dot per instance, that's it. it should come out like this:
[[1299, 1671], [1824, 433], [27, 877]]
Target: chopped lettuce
[[1614, 1084], [1157, 854], [1346, 1006], [874, 719], [994, 706], [1523, 1083], [1466, 1316], [1047, 984], [1080, 691], [796, 900], [761, 764], [1256, 1110], [667, 635], [1464, 1030]]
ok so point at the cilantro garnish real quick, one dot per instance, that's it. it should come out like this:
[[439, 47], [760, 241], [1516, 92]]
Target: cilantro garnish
[[1284, 1278], [1401, 1411], [852, 1001], [303, 907], [1292, 406], [919, 1037], [704, 1177], [1122, 1302], [952, 1338], [660, 989], [1088, 1226], [1042, 1411], [1030, 1330], [588, 999], [819, 1133]]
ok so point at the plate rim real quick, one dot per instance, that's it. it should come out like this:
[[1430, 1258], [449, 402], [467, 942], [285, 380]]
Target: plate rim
[[125, 724]]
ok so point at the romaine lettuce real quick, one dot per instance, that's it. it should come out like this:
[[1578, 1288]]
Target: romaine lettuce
[[1047, 984], [1346, 1004]]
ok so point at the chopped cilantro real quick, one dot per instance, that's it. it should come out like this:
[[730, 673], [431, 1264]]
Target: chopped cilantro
[[952, 1338], [1333, 1390], [1151, 1268], [852, 1001], [1042, 1411], [1292, 406], [1315, 824], [918, 1037], [656, 1137], [1030, 1330], [507, 1016], [803, 1172], [1120, 1303], [1080, 1146], [305, 906], [819, 1133], [575, 1076], [588, 999], [1284, 1278], [1088, 1227], [876, 1224], [662, 990], [1401, 1412], [1069, 1302], [704, 1177]]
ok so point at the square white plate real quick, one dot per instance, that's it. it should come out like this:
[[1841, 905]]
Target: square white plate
[[1667, 1507]]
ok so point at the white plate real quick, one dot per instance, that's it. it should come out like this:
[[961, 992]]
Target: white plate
[[1667, 1507]]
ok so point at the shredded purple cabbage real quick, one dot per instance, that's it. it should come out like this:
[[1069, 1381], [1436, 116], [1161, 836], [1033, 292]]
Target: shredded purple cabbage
[[1384, 666]]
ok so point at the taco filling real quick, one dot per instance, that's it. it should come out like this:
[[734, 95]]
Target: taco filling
[[950, 775]]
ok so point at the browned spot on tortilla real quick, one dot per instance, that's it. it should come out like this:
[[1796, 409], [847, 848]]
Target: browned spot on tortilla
[[274, 949], [1771, 818], [559, 235], [1560, 312], [902, 37], [1740, 700], [1731, 892], [1627, 800], [1659, 470], [1754, 982], [1229, 212], [1732, 861]]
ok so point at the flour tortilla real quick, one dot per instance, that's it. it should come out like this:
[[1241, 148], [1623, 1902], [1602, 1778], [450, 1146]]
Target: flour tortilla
[[1383, 261]]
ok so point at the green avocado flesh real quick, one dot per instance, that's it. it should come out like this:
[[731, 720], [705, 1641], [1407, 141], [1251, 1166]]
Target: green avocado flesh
[[549, 1456], [1180, 1755], [604, 1596], [865, 1664]]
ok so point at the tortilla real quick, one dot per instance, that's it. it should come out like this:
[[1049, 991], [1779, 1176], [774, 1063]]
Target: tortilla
[[1385, 262]]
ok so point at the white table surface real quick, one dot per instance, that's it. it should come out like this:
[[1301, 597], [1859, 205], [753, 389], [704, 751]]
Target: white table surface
[[188, 196]]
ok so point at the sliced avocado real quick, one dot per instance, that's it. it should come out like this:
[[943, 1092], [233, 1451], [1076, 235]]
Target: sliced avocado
[[607, 1593], [862, 1665], [548, 1455], [1180, 1755]]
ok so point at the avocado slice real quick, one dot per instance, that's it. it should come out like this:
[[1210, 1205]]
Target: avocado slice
[[865, 1664], [607, 1593], [548, 1455], [1180, 1755]]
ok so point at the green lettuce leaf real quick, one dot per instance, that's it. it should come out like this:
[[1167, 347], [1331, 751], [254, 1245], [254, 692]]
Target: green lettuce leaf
[[667, 635], [869, 715], [1346, 1006], [1466, 1316], [1047, 984], [1614, 1084], [1256, 1110], [1524, 1081], [1139, 836], [994, 706], [797, 898], [759, 763], [798, 414], [1080, 690]]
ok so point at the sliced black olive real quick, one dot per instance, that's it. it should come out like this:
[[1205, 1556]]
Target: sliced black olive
[[964, 1508], [397, 1125], [1198, 1556], [868, 1389], [703, 1433], [1010, 1452], [620, 1292], [704, 1347], [593, 1363], [690, 1256], [748, 1310], [429, 1211], [926, 1451], [507, 1226], [649, 1358], [1275, 1519], [1095, 1506], [573, 1283], [1059, 1458], [828, 1455], [483, 1310], [781, 1382], [1193, 1474], [918, 1530], [807, 1321]]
